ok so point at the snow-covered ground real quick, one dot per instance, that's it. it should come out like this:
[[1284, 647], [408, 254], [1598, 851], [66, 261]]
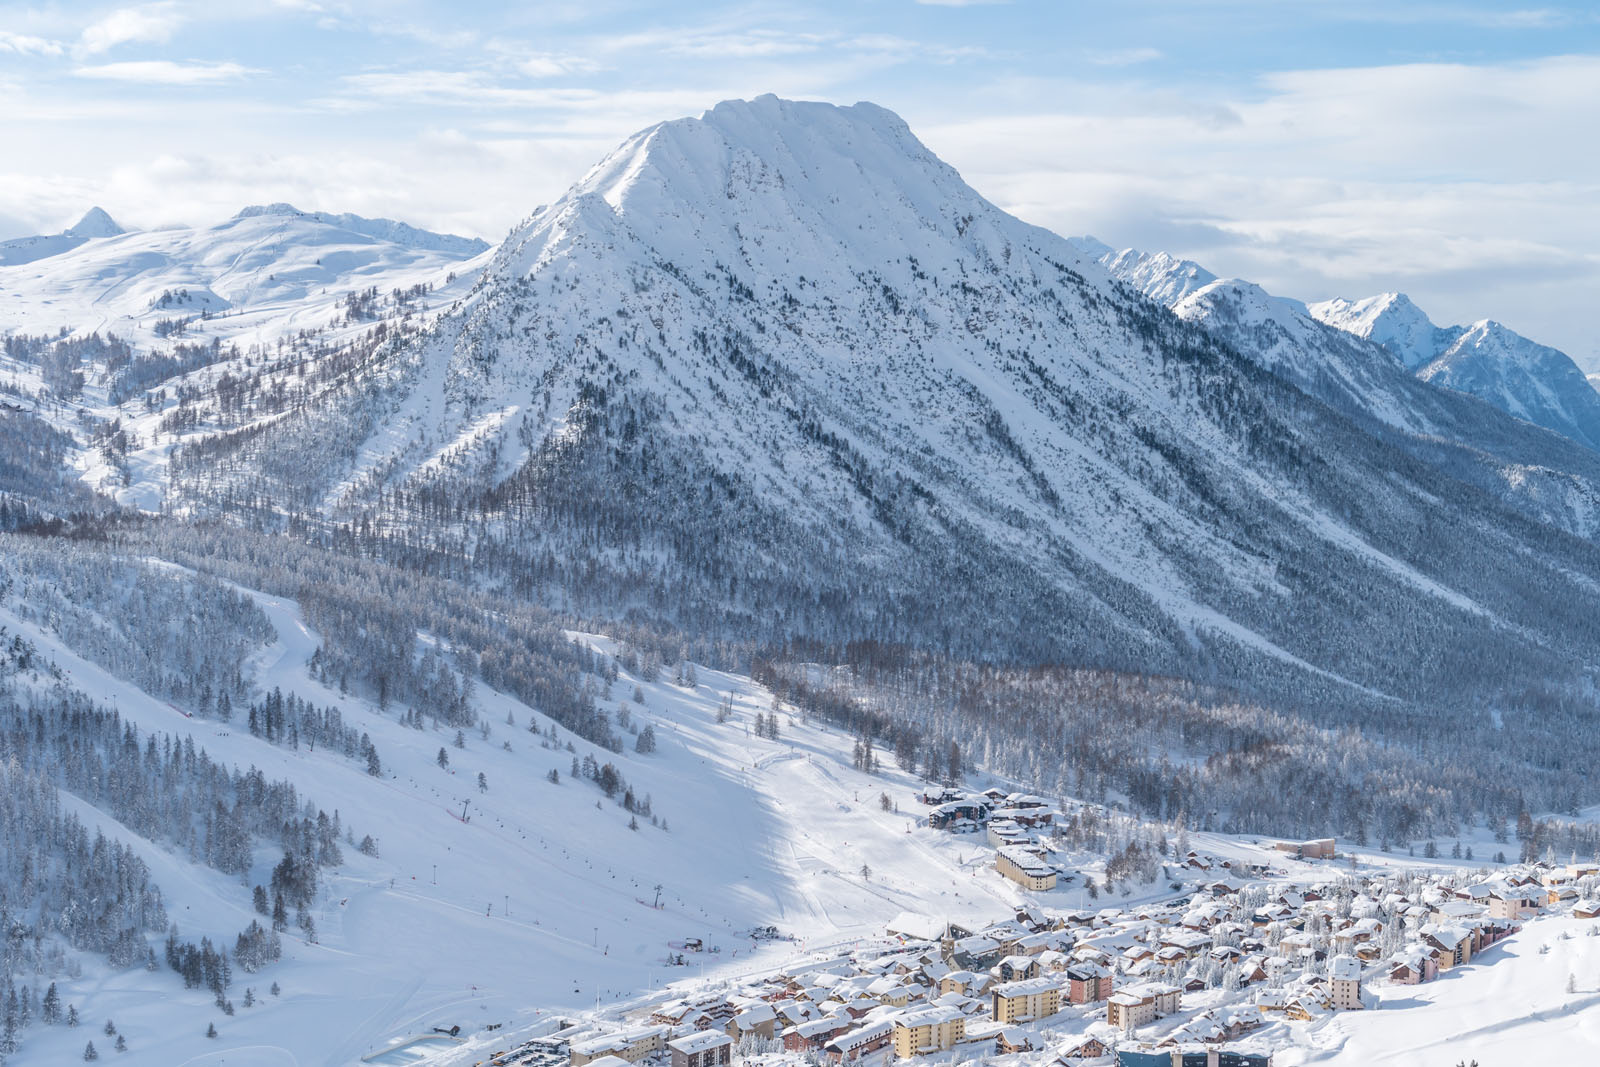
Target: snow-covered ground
[[1511, 1005], [542, 899]]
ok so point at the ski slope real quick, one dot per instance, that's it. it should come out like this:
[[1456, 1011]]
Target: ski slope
[[541, 899]]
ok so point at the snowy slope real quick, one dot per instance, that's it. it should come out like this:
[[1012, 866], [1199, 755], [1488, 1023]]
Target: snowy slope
[[1388, 319], [1527, 380], [1378, 360], [1511, 1006], [889, 380], [270, 267], [760, 832], [242, 288], [94, 224]]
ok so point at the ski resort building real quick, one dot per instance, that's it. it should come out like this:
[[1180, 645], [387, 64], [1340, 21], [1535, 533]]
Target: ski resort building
[[1344, 983], [1087, 982], [1133, 1007], [631, 1045], [854, 1044], [1319, 849], [1025, 868], [704, 1048], [945, 816], [1027, 1000], [920, 1033]]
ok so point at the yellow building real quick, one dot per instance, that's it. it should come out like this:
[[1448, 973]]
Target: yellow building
[[1026, 1001], [930, 1030], [1025, 868]]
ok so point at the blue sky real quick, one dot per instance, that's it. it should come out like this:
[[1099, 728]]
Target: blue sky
[[1445, 149]]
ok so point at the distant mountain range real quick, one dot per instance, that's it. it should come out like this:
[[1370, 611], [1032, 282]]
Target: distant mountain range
[[1520, 377], [94, 224]]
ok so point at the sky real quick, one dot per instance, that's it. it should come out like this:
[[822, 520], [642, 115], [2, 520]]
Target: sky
[[1447, 150]]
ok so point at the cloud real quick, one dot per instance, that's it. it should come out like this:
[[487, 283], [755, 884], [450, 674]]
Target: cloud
[[167, 72], [555, 65], [1125, 57], [1462, 184], [153, 23], [24, 45]]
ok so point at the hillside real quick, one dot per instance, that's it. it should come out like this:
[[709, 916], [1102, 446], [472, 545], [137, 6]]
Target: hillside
[[785, 343], [753, 832]]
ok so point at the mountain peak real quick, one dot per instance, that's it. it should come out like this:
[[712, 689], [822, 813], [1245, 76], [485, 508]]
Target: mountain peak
[[255, 211], [399, 233], [778, 187], [1161, 276], [1388, 319], [95, 223]]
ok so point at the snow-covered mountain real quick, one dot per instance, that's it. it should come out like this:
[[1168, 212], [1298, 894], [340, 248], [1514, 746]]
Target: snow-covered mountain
[[781, 365], [387, 230], [273, 268], [94, 225], [1516, 375]]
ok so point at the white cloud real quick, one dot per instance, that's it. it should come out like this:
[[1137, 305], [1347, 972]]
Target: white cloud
[[24, 45], [1470, 186], [167, 72], [152, 23], [555, 65], [1125, 57]]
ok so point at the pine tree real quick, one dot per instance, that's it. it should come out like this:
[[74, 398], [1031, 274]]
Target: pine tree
[[443, 759], [89, 1052], [211, 1029], [122, 1043], [50, 1009]]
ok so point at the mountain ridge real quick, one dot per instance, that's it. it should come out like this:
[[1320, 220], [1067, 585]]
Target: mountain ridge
[[802, 313]]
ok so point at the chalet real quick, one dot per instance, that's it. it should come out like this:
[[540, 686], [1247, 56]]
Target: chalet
[[758, 1020], [919, 1033], [854, 1044], [1453, 942], [1190, 942], [945, 795], [1586, 909], [1026, 1001], [1560, 893], [1081, 1048], [1016, 968], [974, 951], [1011, 1040], [1412, 967], [969, 983], [804, 1037], [1025, 868], [707, 1048]]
